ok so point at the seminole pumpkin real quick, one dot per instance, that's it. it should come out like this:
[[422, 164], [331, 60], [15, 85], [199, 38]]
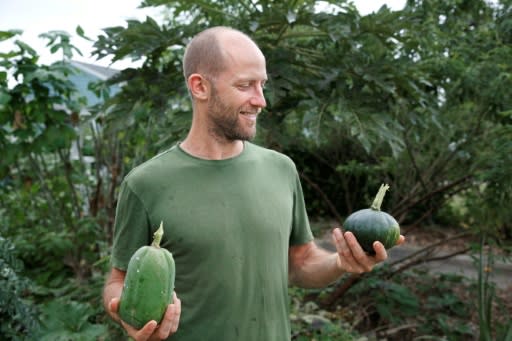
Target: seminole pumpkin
[[372, 224]]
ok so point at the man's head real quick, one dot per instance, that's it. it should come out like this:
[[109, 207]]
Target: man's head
[[206, 53], [225, 73]]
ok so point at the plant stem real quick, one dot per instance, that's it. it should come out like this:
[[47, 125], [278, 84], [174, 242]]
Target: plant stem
[[484, 301], [379, 197], [157, 237]]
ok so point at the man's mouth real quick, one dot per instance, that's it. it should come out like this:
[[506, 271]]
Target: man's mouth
[[249, 115]]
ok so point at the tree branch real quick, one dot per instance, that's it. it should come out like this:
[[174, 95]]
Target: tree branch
[[324, 196]]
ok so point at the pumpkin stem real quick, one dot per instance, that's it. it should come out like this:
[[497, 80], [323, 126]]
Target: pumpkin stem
[[379, 197], [157, 237]]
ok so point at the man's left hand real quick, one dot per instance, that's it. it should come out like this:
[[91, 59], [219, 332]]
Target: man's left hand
[[352, 258]]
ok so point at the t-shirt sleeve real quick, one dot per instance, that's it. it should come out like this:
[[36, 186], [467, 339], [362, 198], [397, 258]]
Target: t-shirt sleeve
[[301, 231], [131, 227]]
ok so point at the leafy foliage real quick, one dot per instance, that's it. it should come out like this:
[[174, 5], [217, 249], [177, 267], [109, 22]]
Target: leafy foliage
[[418, 98], [15, 309], [44, 187], [310, 322], [343, 90], [71, 323], [411, 305]]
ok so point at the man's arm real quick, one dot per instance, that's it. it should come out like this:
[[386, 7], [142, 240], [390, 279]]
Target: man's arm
[[151, 331], [112, 292], [313, 267]]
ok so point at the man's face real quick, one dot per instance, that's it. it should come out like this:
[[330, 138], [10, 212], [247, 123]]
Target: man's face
[[236, 96], [229, 120]]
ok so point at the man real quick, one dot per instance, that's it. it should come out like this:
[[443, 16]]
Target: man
[[233, 212]]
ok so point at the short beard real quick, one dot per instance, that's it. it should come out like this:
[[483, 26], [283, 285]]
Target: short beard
[[225, 125]]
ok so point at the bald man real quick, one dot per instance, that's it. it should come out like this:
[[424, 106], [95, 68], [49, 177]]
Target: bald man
[[233, 212]]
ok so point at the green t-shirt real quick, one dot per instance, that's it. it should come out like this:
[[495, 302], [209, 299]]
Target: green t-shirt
[[228, 224]]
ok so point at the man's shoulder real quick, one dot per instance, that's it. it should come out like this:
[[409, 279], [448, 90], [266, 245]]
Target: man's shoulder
[[268, 152], [152, 167], [273, 156]]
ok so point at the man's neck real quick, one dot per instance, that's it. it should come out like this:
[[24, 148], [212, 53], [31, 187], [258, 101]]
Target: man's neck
[[212, 150]]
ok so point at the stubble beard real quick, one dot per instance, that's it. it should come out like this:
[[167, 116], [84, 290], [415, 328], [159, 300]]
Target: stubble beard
[[225, 124]]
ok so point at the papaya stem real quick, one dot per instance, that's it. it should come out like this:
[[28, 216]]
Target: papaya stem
[[157, 237], [377, 202]]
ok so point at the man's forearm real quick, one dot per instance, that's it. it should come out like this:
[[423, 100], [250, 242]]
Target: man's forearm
[[110, 292], [318, 269], [112, 289], [311, 266]]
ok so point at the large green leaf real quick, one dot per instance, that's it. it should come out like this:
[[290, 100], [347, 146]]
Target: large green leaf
[[62, 320]]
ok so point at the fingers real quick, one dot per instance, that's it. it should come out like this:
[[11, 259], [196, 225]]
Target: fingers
[[176, 313], [153, 331], [351, 257], [346, 246], [364, 262], [171, 320], [346, 260], [113, 305], [143, 334], [380, 252], [339, 241]]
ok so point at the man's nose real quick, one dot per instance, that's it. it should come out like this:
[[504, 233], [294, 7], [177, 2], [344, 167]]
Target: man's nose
[[258, 100]]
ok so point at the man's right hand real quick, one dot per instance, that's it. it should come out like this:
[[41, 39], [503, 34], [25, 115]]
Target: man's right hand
[[151, 331]]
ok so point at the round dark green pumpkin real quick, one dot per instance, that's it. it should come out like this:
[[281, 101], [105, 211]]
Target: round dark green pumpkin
[[370, 225]]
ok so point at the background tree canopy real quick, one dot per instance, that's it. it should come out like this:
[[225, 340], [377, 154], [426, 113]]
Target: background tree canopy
[[418, 98]]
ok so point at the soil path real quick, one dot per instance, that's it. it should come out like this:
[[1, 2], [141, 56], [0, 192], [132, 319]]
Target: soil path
[[464, 265]]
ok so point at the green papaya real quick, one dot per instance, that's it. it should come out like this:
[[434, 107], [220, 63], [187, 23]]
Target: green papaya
[[148, 285]]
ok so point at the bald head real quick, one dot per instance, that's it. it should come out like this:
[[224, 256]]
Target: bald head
[[206, 53]]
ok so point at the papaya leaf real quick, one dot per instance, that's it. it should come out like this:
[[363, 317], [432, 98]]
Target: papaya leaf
[[64, 320], [5, 35]]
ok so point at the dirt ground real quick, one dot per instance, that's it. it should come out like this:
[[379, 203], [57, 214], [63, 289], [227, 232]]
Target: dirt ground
[[462, 264], [447, 242]]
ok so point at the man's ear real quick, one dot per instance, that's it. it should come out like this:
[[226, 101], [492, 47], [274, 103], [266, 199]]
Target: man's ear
[[198, 86]]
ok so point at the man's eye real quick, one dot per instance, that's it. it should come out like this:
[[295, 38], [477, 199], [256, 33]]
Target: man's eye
[[244, 85]]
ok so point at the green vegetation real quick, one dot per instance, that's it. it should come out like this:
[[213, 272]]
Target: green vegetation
[[418, 98]]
